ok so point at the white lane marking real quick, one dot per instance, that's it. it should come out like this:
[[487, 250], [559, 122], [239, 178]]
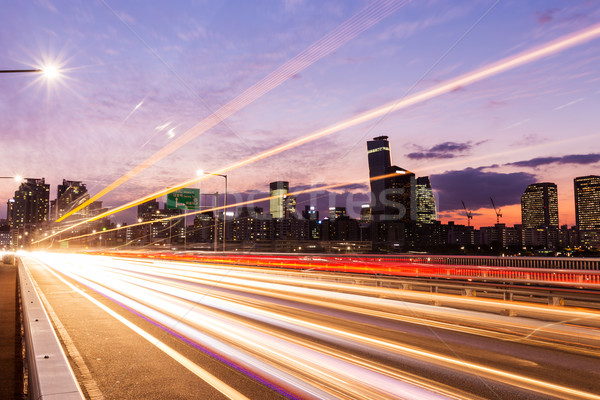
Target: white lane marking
[[88, 382], [203, 374]]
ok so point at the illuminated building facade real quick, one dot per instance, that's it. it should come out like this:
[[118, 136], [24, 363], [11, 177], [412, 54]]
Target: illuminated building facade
[[68, 196], [277, 192], [587, 209], [539, 206], [31, 203], [426, 211], [337, 213], [289, 207]]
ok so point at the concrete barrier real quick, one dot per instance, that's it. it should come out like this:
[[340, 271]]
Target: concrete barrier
[[49, 374]]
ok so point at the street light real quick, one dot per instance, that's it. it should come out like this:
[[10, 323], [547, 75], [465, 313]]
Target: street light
[[17, 178], [19, 71], [201, 172], [49, 71]]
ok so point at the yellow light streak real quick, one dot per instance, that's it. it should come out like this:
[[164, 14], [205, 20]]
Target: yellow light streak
[[366, 18], [503, 65]]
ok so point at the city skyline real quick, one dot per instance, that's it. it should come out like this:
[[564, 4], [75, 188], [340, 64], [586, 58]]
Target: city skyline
[[132, 88]]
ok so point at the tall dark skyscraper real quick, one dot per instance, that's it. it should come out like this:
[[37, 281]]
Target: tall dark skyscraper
[[587, 209], [31, 203], [539, 206], [378, 152], [392, 198], [426, 211]]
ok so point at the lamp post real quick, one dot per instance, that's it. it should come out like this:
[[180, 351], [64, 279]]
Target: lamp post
[[49, 71], [201, 172], [19, 71]]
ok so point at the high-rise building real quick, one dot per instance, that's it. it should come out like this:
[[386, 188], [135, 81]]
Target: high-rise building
[[378, 153], [289, 207], [277, 192], [539, 206], [587, 202], [68, 196], [365, 213], [401, 197], [587, 209], [426, 211], [30, 204], [393, 197]]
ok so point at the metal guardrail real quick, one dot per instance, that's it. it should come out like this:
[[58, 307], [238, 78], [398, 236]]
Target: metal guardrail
[[49, 374]]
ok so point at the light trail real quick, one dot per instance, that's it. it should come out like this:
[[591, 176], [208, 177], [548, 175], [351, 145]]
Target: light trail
[[487, 71], [236, 314], [242, 203], [366, 18], [225, 389]]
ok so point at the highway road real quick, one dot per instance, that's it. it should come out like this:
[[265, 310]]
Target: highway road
[[152, 329]]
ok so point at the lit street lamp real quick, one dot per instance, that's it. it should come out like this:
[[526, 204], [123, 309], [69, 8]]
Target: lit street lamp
[[18, 71], [49, 71], [201, 172]]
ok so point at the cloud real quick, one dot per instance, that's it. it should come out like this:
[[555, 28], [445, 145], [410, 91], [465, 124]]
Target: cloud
[[582, 159], [442, 150], [477, 186], [429, 154], [544, 17]]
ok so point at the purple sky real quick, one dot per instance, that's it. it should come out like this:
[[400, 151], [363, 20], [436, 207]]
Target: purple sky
[[179, 61]]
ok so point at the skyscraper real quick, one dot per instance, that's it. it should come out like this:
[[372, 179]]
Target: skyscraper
[[539, 206], [401, 195], [68, 196], [394, 197], [378, 153], [30, 204], [289, 207], [426, 211], [277, 192], [587, 209]]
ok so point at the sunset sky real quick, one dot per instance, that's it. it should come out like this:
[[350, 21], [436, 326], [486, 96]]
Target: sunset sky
[[137, 75]]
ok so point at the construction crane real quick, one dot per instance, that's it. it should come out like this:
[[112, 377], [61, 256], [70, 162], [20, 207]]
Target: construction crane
[[497, 210], [469, 214]]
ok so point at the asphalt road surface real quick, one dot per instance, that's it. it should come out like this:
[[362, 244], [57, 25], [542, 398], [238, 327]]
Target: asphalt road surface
[[175, 330]]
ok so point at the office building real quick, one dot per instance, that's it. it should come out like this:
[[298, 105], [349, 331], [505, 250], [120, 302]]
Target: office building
[[31, 202], [393, 198], [365, 213], [426, 210], [278, 190], [587, 202], [289, 207], [587, 209], [378, 154], [69, 195], [539, 206]]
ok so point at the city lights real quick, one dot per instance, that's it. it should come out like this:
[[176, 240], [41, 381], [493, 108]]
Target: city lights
[[363, 200]]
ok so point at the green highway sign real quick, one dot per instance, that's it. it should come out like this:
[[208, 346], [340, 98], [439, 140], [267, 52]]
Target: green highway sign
[[184, 199]]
